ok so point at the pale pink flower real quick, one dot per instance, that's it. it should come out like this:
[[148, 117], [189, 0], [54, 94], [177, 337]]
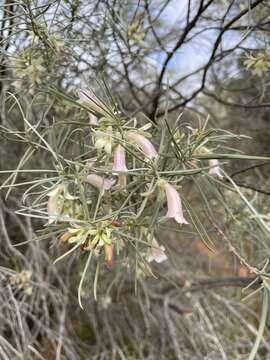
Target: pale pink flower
[[119, 159], [93, 120], [99, 182], [144, 144], [88, 98], [214, 168], [174, 205], [157, 253]]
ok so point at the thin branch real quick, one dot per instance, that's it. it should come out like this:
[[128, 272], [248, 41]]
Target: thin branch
[[213, 54], [249, 168]]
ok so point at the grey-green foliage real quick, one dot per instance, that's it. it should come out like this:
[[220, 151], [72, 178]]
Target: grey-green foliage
[[51, 49]]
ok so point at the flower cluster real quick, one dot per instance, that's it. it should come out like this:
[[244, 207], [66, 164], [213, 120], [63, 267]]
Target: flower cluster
[[116, 203], [41, 57], [22, 281], [259, 64]]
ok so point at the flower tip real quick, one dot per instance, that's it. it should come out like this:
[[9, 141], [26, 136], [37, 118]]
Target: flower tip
[[180, 219], [161, 257], [99, 182]]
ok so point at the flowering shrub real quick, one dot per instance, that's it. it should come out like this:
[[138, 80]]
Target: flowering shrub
[[121, 184], [111, 193]]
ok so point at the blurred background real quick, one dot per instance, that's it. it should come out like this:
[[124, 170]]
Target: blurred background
[[198, 59]]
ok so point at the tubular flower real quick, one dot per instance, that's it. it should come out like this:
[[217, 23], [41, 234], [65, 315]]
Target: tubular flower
[[156, 253], [119, 165], [144, 144], [99, 182], [119, 159], [214, 168], [88, 98], [174, 205]]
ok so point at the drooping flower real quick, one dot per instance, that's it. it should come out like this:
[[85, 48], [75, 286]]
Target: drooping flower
[[174, 204], [89, 99], [119, 159], [119, 165], [214, 168], [144, 144], [99, 182], [157, 253]]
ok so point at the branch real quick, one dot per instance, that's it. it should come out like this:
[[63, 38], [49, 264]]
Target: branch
[[213, 55], [179, 43], [228, 103], [249, 168], [249, 186], [252, 187]]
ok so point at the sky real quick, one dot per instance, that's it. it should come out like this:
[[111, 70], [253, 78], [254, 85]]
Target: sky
[[197, 52]]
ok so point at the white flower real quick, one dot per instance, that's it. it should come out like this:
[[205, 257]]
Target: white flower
[[174, 204], [214, 168], [104, 140]]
